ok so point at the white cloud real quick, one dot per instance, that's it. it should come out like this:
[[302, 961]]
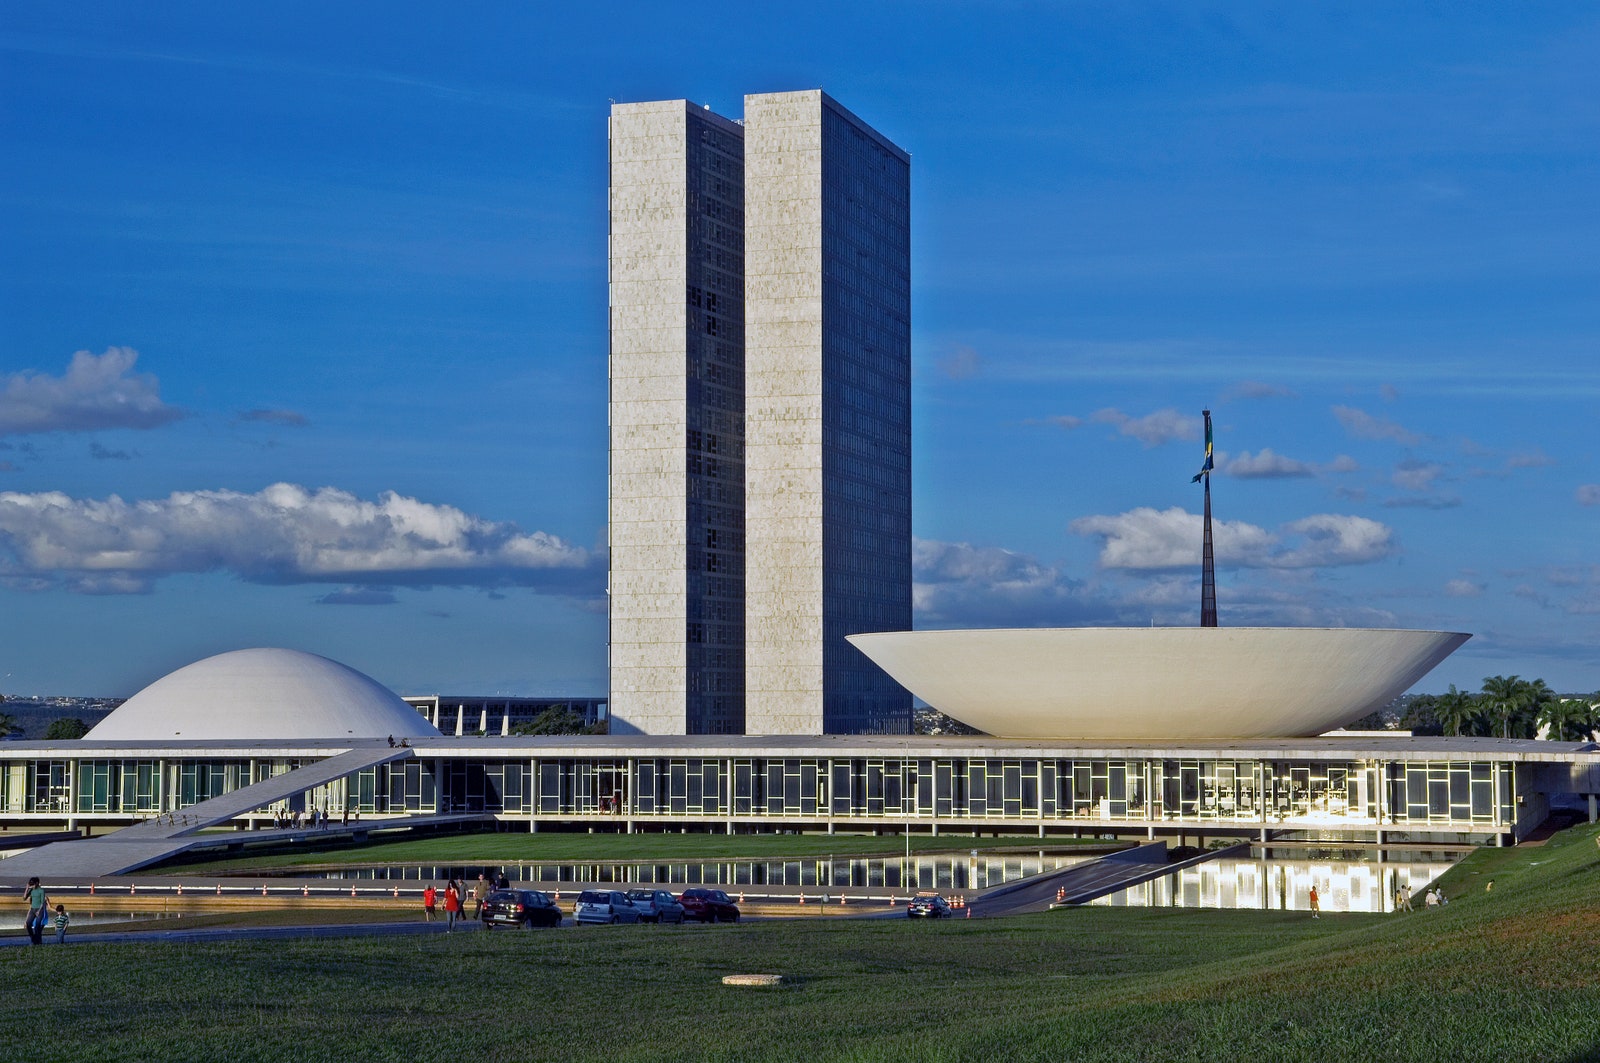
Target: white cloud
[[959, 584], [1267, 465], [1153, 429], [97, 392], [1259, 389], [282, 534], [961, 363], [1463, 588], [1416, 475], [1149, 539], [1335, 539], [287, 418], [1363, 425], [1588, 494]]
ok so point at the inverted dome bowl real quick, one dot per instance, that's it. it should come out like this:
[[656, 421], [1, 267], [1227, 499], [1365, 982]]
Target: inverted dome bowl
[[1158, 683]]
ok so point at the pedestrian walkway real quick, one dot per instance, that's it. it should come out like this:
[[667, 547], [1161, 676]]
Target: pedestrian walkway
[[167, 835], [1082, 883]]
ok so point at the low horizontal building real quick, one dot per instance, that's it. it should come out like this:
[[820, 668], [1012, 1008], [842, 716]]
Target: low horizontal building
[[1353, 788]]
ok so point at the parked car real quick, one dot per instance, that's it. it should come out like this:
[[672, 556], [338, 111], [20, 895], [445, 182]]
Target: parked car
[[528, 908], [604, 906], [927, 905], [708, 906], [656, 906]]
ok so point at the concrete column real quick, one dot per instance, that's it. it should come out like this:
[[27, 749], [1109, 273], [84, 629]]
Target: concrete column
[[460, 719], [1591, 808]]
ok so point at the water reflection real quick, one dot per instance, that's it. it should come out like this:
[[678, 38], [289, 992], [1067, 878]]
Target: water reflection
[[1346, 881], [935, 871]]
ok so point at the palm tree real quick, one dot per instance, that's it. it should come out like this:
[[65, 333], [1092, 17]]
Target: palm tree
[[1571, 719], [7, 722], [1455, 709], [1505, 697]]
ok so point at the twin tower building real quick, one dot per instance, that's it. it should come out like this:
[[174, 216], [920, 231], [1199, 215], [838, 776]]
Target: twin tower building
[[760, 417]]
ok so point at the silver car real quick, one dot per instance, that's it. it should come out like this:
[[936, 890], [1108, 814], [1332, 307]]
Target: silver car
[[605, 906], [656, 906]]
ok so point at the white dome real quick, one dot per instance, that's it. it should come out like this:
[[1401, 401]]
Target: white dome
[[263, 694], [1159, 683]]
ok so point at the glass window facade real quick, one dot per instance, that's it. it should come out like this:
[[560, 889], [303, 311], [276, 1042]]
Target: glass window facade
[[866, 419], [881, 787]]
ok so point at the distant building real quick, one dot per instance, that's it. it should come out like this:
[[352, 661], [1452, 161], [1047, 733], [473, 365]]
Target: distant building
[[459, 714], [760, 480]]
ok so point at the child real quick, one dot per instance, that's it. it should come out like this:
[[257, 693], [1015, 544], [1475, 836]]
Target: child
[[62, 919]]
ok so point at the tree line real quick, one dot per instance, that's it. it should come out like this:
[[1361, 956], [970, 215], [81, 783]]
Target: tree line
[[1508, 706]]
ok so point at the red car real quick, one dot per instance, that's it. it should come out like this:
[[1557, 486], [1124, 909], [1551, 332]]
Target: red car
[[708, 906]]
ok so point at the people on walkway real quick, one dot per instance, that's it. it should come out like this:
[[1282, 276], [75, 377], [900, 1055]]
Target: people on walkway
[[430, 900], [1316, 907], [480, 893], [38, 911], [62, 919], [452, 904]]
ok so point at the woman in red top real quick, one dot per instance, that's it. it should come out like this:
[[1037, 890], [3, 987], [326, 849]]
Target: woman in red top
[[430, 898], [452, 904]]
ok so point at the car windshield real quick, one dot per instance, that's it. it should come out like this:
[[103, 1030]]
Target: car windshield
[[641, 895], [503, 897], [594, 897]]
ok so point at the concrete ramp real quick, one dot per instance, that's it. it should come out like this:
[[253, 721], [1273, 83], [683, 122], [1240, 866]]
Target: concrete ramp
[[1039, 892], [1085, 882], [167, 835]]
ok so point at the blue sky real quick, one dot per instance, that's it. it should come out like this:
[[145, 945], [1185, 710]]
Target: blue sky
[[303, 330]]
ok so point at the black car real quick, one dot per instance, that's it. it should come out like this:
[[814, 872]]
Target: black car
[[708, 906], [928, 906], [528, 908]]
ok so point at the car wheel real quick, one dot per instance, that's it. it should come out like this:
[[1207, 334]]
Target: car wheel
[[735, 918], [613, 920]]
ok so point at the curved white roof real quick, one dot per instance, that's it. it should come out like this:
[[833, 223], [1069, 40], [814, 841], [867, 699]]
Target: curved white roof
[[269, 694], [1158, 683]]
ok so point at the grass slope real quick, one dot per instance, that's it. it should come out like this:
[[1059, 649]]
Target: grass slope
[[1507, 975]]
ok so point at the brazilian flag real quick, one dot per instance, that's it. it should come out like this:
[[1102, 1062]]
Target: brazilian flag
[[1206, 468]]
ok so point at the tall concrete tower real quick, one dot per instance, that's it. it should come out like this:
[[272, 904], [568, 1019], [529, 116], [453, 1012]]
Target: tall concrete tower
[[827, 415], [760, 482], [676, 497]]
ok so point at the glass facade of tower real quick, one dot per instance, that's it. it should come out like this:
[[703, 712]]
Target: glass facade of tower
[[714, 447], [866, 419]]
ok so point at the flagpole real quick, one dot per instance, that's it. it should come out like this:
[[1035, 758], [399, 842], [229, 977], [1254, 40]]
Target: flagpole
[[1208, 564]]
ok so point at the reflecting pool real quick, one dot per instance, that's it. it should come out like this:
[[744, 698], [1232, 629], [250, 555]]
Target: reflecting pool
[[942, 871], [1347, 880]]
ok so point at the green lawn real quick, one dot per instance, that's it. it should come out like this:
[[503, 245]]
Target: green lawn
[[1510, 975], [503, 848]]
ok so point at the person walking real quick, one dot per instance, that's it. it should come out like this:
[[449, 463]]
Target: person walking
[[1405, 898], [480, 893], [430, 901], [62, 919], [452, 905], [38, 911], [1316, 908]]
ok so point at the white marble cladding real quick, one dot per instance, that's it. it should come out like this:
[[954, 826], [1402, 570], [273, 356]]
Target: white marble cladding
[[783, 414], [648, 411]]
